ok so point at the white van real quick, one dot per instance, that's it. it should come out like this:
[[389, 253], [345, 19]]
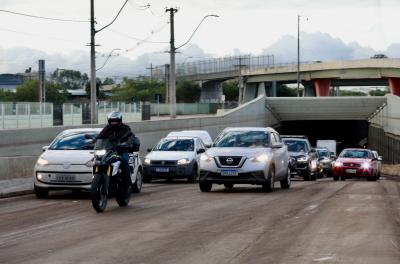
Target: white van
[[329, 144]]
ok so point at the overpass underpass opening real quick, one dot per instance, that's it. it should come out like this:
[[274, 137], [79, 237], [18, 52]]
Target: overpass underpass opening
[[348, 133]]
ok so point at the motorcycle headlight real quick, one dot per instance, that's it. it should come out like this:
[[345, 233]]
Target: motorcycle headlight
[[365, 165], [183, 161], [147, 161], [42, 162], [313, 164], [260, 158], [302, 159], [100, 152]]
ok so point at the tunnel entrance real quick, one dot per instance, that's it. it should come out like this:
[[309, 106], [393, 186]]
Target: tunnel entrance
[[348, 133]]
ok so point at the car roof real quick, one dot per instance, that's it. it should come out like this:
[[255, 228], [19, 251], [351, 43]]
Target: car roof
[[80, 130], [263, 129], [322, 149], [179, 137], [198, 133], [294, 136], [298, 139]]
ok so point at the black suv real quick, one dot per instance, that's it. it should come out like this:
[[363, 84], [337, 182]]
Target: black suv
[[303, 158]]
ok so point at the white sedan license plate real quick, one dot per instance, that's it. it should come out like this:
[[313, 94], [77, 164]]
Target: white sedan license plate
[[229, 173], [162, 169], [65, 177], [351, 171]]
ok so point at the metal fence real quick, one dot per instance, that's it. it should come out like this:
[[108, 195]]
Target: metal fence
[[225, 64], [32, 115]]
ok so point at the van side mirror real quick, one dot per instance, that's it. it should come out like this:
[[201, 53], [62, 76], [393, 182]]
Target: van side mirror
[[44, 148], [277, 145]]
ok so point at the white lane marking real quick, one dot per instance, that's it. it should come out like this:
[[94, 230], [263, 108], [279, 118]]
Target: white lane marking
[[329, 257]]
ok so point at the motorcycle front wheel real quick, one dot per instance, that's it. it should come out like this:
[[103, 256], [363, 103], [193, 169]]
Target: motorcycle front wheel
[[99, 193]]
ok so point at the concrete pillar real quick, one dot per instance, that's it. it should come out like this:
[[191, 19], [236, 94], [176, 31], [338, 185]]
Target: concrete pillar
[[211, 92], [250, 92], [394, 84], [309, 89], [261, 89], [322, 87]]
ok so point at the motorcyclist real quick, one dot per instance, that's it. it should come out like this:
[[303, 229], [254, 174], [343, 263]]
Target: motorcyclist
[[118, 132]]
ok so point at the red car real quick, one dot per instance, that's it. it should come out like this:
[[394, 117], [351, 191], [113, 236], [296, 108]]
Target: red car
[[356, 163]]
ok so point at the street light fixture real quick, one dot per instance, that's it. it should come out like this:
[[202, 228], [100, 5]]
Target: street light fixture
[[172, 76]]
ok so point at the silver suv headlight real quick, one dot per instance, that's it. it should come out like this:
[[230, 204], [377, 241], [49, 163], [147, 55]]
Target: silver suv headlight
[[42, 162], [205, 157], [260, 158], [302, 159], [183, 161]]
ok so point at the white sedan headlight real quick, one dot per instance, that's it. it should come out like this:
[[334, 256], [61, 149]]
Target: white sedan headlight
[[100, 152], [183, 161], [205, 158], [147, 161], [42, 162], [261, 158]]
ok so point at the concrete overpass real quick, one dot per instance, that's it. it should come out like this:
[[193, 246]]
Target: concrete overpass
[[261, 76], [319, 77]]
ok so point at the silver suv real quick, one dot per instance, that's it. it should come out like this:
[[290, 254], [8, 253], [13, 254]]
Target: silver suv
[[246, 155]]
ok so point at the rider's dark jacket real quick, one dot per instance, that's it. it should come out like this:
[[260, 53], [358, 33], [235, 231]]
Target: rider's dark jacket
[[119, 134]]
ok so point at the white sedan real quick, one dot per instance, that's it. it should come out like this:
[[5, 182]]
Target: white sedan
[[67, 163]]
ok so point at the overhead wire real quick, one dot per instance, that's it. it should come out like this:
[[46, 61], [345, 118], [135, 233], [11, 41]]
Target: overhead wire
[[42, 17]]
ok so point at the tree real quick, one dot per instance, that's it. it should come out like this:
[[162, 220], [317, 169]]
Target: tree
[[378, 92], [285, 91], [29, 92], [140, 90], [6, 96], [231, 90], [351, 93], [108, 81], [70, 79], [187, 92]]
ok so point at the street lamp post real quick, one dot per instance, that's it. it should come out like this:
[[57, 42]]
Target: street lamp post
[[298, 56], [172, 75]]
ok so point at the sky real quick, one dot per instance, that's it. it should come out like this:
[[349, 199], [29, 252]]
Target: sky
[[330, 30]]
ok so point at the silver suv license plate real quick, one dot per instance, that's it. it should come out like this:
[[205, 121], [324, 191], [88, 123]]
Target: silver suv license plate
[[229, 173]]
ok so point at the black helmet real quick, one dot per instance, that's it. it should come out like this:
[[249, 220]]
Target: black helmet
[[114, 116]]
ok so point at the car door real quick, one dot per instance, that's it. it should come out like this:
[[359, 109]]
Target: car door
[[280, 155]]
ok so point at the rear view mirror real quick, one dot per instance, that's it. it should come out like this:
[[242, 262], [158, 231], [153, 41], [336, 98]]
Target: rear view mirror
[[44, 148], [277, 145], [149, 150]]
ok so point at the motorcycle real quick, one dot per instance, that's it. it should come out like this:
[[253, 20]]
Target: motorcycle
[[108, 179]]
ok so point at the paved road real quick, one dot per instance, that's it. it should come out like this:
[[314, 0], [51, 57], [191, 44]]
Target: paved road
[[314, 222]]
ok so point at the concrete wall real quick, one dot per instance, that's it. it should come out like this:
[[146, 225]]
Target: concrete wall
[[19, 149], [384, 131]]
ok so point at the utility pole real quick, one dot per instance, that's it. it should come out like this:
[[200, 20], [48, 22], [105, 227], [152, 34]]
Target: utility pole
[[241, 80], [151, 68], [42, 81], [172, 78], [298, 56], [93, 95], [166, 83]]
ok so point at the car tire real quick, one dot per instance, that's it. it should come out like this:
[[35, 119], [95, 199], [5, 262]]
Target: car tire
[[335, 178], [41, 192], [228, 185], [313, 177], [269, 186], [193, 177], [306, 176], [287, 182], [342, 178], [205, 186], [147, 179], [137, 185]]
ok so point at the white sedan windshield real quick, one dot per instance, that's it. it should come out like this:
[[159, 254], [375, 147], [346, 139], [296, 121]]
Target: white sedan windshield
[[243, 139]]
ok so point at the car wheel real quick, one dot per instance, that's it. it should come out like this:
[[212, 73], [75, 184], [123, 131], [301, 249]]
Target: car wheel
[[313, 177], [286, 183], [228, 185], [335, 178], [147, 179], [137, 185], [342, 178], [306, 176], [269, 186], [193, 177], [205, 186], [41, 192]]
